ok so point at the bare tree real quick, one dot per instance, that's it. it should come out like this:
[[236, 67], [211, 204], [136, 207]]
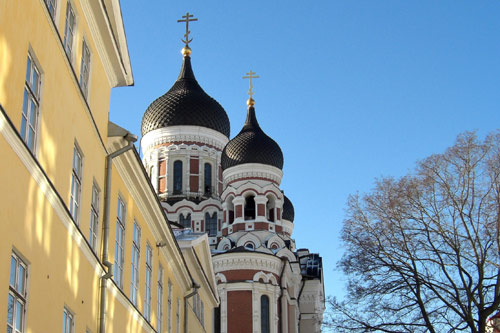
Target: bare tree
[[422, 252]]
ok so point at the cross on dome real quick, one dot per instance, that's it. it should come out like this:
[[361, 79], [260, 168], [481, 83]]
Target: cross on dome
[[250, 76], [187, 18]]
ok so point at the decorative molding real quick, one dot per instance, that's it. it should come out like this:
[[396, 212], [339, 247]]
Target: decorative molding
[[247, 260], [252, 171], [183, 133]]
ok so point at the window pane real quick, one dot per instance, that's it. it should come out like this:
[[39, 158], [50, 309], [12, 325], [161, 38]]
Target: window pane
[[20, 280], [31, 139], [13, 265], [34, 83], [10, 310], [19, 316], [28, 70]]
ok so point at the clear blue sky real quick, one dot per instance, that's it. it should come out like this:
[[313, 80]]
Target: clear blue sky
[[350, 90]]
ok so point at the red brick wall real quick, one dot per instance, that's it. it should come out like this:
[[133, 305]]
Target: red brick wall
[[239, 211], [162, 184], [239, 311], [193, 183], [279, 214], [194, 166], [261, 210]]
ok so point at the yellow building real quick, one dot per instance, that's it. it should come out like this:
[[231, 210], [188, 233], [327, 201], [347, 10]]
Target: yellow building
[[87, 246]]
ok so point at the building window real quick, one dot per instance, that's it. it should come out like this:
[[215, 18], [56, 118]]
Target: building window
[[198, 308], [208, 179], [120, 235], [16, 303], [177, 177], [178, 315], [185, 221], [85, 69], [68, 321], [211, 223], [94, 217], [149, 275], [51, 5], [250, 208], [160, 301], [136, 253], [264, 314], [169, 313], [69, 31], [31, 104], [76, 184]]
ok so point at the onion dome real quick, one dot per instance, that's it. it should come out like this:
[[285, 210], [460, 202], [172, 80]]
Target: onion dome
[[288, 211], [185, 104], [252, 145]]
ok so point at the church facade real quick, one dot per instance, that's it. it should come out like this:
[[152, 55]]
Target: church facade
[[230, 190]]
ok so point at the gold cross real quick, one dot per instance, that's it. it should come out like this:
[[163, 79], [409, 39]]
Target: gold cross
[[187, 18], [250, 76]]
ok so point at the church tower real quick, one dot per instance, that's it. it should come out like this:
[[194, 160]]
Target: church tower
[[230, 189], [183, 134]]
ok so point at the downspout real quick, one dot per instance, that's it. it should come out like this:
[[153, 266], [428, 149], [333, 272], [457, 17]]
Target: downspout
[[196, 287], [105, 228]]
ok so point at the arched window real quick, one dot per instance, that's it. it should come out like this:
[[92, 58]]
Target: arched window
[[250, 208], [177, 177], [230, 209], [185, 221], [271, 204], [208, 179], [211, 223], [264, 314]]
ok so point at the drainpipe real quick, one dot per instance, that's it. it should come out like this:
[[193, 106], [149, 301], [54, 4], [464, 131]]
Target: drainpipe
[[196, 287], [105, 228]]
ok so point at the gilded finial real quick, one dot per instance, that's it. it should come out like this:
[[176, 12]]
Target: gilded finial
[[250, 76], [186, 51]]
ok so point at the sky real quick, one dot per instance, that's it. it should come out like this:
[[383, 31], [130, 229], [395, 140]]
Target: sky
[[351, 90]]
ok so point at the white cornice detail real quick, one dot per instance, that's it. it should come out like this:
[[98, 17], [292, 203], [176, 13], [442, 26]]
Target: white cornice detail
[[184, 133], [246, 260], [99, 43], [252, 170]]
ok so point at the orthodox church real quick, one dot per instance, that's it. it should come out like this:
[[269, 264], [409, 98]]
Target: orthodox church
[[230, 190]]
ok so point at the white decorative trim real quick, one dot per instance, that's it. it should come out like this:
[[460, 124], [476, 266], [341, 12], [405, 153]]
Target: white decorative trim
[[183, 133], [252, 170], [275, 239], [247, 260], [269, 277], [249, 238], [220, 277], [287, 254]]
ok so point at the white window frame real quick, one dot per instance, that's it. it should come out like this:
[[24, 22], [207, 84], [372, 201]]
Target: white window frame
[[136, 255], [85, 69], [169, 304], [68, 321], [121, 211], [76, 184], [148, 280], [17, 293], [94, 216], [159, 315], [52, 7], [69, 31], [31, 104], [178, 315]]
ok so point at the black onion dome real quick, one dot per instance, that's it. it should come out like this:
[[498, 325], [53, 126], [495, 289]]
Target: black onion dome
[[185, 104], [288, 211], [252, 145]]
